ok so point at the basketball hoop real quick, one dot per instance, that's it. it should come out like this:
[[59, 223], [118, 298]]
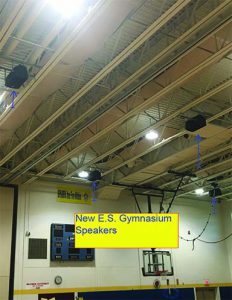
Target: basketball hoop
[[157, 263]]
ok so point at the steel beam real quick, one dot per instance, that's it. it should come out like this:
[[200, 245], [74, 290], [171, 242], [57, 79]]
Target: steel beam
[[64, 131], [180, 4], [206, 63]]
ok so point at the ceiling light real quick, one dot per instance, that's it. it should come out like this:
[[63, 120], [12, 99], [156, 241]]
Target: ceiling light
[[2, 97], [151, 135], [199, 192], [83, 174], [67, 8]]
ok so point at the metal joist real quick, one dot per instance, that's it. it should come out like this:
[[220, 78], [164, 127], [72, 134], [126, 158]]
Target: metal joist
[[13, 19], [157, 125], [180, 4], [148, 162], [92, 108], [206, 63], [200, 181], [188, 164]]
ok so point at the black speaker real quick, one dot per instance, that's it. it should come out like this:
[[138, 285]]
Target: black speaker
[[215, 192], [94, 175], [16, 78], [195, 123]]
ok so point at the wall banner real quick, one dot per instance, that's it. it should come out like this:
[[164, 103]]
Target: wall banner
[[72, 194]]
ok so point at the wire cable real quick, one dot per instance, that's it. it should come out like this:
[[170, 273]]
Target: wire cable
[[215, 242], [199, 235], [203, 241]]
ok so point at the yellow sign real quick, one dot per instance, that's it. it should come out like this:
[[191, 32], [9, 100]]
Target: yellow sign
[[126, 230], [72, 194]]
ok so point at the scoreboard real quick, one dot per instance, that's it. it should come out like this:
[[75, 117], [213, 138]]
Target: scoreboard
[[63, 245]]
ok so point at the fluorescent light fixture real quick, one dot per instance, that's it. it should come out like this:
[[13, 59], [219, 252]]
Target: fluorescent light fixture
[[67, 8], [151, 135], [83, 174], [2, 96], [199, 192]]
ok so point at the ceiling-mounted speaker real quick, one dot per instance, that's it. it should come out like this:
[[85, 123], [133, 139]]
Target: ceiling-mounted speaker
[[16, 78], [94, 175], [215, 192], [195, 123]]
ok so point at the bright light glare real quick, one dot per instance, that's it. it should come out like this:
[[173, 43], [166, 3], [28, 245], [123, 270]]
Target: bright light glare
[[152, 135], [199, 192], [2, 97], [83, 174], [67, 8]]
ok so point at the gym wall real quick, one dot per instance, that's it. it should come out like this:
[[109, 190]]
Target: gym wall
[[38, 208]]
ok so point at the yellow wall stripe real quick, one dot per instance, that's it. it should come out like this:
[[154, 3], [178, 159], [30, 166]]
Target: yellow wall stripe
[[115, 288]]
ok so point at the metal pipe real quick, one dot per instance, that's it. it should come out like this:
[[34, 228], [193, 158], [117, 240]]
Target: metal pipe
[[143, 188], [149, 204], [174, 196], [31, 43]]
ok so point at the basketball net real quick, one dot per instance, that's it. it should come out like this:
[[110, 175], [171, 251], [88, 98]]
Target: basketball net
[[161, 273]]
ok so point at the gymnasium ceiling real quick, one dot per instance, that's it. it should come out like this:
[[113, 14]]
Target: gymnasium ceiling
[[100, 80]]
